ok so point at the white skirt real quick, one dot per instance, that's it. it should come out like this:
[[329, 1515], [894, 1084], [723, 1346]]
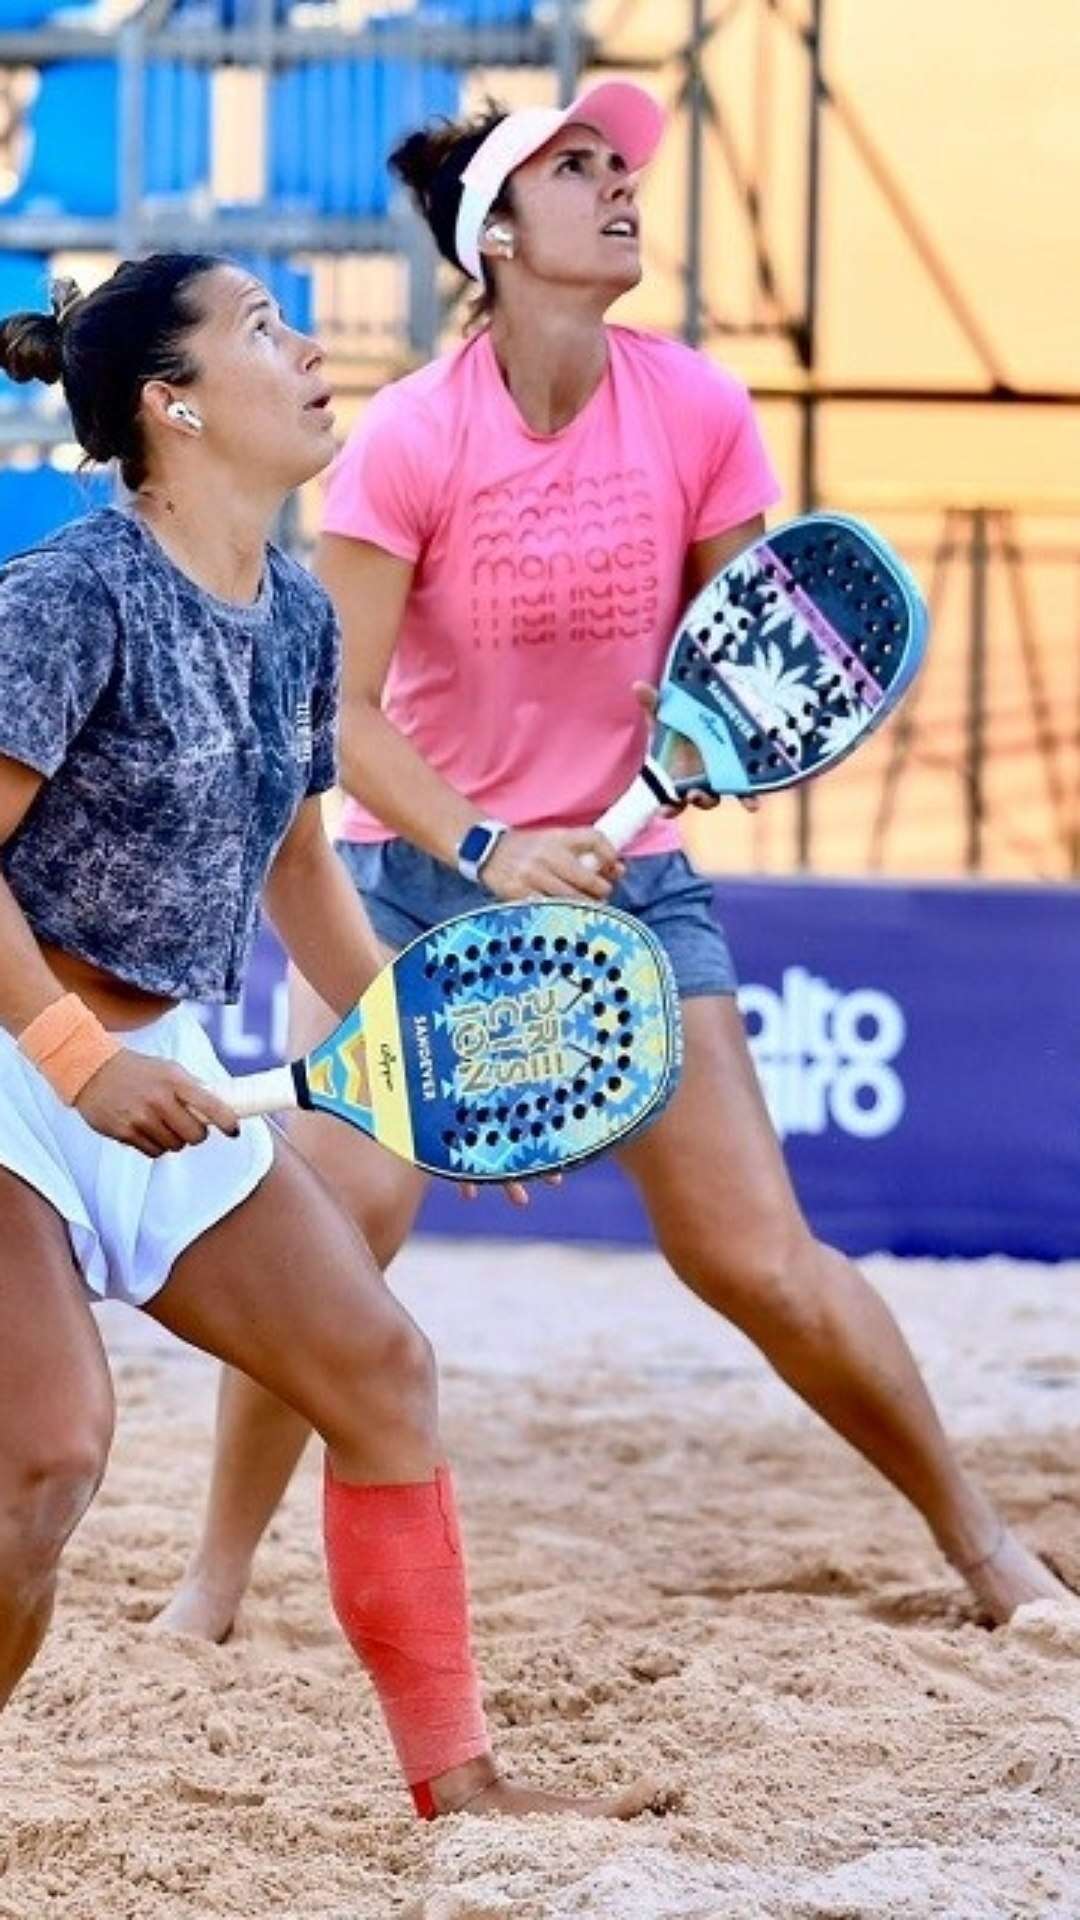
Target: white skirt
[[129, 1217]]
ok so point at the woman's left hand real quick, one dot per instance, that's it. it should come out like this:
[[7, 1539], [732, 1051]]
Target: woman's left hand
[[649, 698]]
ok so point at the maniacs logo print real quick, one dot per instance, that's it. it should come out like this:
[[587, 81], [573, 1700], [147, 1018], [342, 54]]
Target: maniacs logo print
[[574, 560], [824, 1056]]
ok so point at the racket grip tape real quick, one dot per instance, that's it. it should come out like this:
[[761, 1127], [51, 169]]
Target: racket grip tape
[[635, 808], [271, 1092]]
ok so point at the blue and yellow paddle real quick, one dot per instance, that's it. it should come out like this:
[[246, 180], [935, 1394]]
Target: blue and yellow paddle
[[505, 1043]]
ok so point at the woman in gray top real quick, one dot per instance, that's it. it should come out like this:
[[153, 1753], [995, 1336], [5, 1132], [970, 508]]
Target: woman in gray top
[[168, 690]]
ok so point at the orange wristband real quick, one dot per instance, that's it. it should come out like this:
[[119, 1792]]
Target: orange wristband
[[67, 1044]]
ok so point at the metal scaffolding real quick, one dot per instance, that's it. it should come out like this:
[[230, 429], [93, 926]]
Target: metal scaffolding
[[167, 52], [979, 538]]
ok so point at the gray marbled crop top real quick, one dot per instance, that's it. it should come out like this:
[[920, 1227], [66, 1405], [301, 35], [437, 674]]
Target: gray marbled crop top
[[178, 734]]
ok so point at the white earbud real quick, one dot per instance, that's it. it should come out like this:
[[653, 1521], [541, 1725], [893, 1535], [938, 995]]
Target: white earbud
[[179, 410], [504, 239]]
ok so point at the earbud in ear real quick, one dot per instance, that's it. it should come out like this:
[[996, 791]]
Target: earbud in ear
[[187, 416]]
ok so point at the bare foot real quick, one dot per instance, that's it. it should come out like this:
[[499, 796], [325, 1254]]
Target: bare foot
[[1009, 1576], [478, 1788], [196, 1608]]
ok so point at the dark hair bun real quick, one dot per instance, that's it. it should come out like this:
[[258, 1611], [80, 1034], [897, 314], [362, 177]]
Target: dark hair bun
[[30, 347], [418, 159], [431, 162], [105, 346]]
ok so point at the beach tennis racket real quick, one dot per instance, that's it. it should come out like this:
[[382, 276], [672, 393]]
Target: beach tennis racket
[[508, 1042], [789, 657]]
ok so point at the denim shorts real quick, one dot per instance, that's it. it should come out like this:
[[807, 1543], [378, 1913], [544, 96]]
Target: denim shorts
[[407, 891]]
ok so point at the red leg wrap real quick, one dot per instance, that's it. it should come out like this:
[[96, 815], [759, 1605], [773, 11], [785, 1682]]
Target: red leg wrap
[[397, 1581], [424, 1800]]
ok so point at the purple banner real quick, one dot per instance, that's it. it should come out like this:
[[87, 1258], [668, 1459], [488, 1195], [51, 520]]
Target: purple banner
[[919, 1048]]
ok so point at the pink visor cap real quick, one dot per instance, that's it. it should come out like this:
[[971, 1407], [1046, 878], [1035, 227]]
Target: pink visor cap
[[630, 120]]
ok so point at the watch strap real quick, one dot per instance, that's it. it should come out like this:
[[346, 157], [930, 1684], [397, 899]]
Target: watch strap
[[484, 836]]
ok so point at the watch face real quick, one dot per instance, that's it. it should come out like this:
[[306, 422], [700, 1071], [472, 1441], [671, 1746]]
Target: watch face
[[475, 844]]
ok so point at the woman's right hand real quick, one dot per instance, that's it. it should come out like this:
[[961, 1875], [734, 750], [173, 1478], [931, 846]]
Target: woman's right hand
[[551, 863], [152, 1105]]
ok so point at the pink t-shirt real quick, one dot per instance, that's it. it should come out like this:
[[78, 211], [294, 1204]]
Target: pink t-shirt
[[548, 567]]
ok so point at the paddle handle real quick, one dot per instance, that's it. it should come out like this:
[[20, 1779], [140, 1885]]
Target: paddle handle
[[271, 1092], [634, 809]]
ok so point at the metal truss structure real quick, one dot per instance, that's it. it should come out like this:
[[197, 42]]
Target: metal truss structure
[[999, 551]]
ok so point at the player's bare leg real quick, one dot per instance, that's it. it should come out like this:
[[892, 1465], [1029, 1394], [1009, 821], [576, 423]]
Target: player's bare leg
[[307, 1314], [56, 1415], [259, 1440], [714, 1181]]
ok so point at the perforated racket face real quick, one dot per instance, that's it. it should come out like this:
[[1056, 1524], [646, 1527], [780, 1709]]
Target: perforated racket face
[[790, 656], [509, 1042]]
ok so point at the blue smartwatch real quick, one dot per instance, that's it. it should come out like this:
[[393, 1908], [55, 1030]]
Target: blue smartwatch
[[478, 845]]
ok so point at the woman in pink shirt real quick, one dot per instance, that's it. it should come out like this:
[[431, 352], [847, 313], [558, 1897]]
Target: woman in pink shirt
[[510, 536]]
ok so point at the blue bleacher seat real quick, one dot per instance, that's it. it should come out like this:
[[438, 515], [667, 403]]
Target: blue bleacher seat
[[225, 13], [74, 127], [34, 501], [16, 15], [24, 282], [332, 124], [480, 13]]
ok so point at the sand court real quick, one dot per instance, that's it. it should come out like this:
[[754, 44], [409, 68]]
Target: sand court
[[675, 1571]]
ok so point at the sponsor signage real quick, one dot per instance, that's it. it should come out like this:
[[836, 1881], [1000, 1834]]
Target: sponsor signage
[[918, 1048]]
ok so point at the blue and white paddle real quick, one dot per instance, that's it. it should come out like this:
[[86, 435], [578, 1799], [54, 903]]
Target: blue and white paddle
[[789, 657]]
